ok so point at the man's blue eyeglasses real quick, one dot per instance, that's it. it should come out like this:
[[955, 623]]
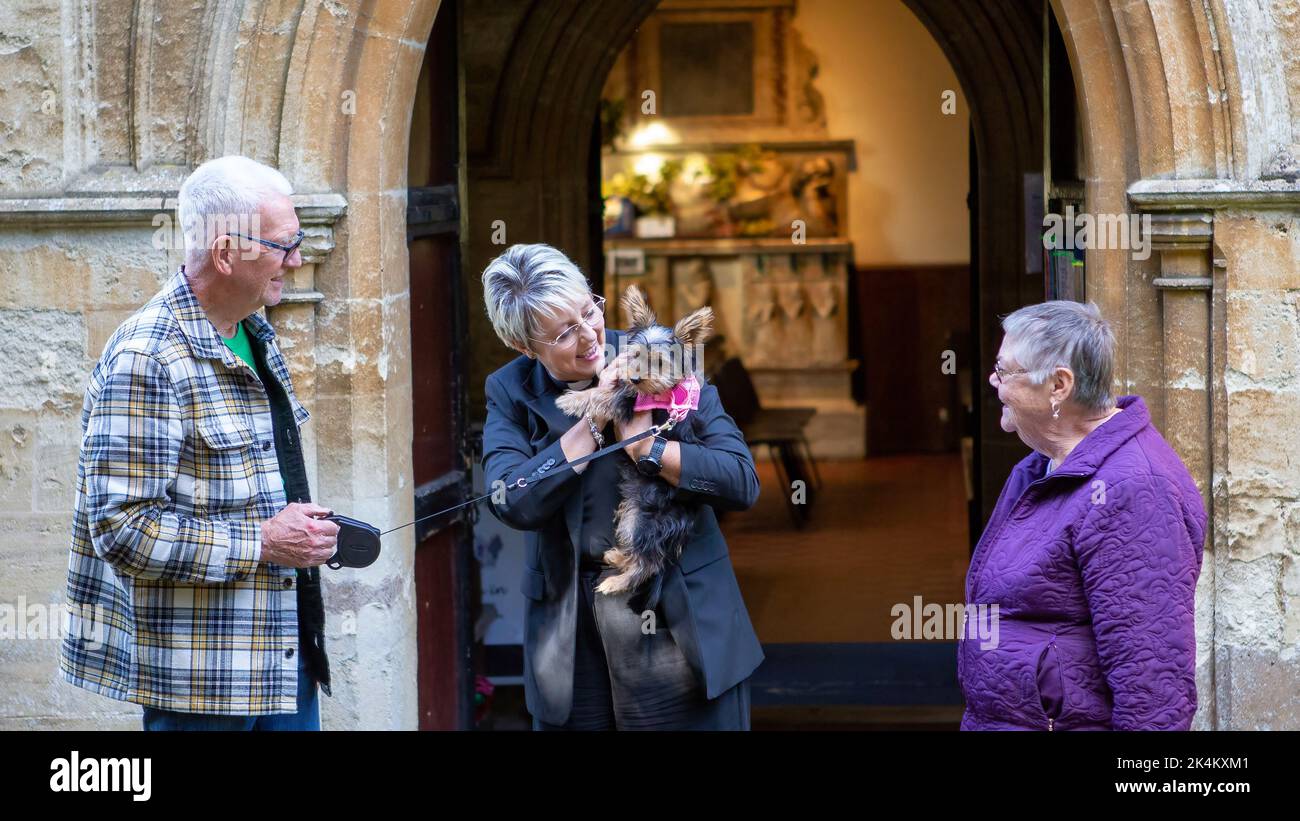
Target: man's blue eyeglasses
[[288, 249]]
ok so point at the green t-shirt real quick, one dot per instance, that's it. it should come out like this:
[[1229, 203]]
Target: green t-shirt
[[241, 346]]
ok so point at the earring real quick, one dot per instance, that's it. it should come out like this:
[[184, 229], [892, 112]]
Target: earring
[[1056, 411]]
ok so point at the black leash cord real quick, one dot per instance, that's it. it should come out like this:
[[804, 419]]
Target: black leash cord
[[522, 482]]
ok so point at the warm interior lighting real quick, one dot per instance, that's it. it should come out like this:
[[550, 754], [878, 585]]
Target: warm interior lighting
[[652, 133], [649, 165]]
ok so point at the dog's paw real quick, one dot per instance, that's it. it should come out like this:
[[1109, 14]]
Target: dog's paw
[[573, 403], [615, 584], [622, 581]]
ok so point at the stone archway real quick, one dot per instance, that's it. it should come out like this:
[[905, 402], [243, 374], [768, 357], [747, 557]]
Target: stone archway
[[324, 92], [333, 95], [1175, 125], [1191, 114]]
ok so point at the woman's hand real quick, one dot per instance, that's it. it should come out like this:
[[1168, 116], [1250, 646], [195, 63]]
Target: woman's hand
[[612, 372], [639, 422]]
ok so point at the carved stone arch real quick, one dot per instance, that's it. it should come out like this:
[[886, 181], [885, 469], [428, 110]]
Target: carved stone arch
[[1261, 97], [1111, 161], [1191, 105], [551, 84], [537, 132], [328, 100], [1157, 87]]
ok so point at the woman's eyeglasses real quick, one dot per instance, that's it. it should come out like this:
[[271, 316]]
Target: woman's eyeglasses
[[570, 334], [1003, 373]]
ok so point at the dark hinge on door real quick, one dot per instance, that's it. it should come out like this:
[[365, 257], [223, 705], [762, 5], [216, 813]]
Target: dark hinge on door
[[431, 211], [451, 488]]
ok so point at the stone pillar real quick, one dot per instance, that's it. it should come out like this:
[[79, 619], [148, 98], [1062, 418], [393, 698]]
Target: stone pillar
[[1185, 285]]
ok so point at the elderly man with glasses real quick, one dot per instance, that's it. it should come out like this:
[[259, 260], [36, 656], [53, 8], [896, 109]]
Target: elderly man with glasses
[[195, 543]]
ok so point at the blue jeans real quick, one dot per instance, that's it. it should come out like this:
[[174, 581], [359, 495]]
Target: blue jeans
[[306, 719]]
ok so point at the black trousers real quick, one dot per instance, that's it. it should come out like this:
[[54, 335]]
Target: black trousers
[[628, 673]]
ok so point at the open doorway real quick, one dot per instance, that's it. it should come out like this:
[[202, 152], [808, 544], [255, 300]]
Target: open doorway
[[533, 164], [805, 172]]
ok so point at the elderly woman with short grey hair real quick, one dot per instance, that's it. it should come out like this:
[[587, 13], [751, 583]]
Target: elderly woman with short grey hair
[[1090, 559], [597, 661]]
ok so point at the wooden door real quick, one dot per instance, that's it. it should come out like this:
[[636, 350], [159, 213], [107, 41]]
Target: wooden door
[[443, 571]]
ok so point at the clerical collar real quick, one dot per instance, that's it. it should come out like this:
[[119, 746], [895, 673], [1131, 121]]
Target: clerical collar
[[581, 384]]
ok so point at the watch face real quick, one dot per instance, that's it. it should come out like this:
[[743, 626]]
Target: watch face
[[648, 467]]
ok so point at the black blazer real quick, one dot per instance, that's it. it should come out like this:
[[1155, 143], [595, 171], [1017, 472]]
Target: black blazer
[[700, 600]]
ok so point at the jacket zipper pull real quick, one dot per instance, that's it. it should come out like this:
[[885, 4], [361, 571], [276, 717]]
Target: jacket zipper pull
[[1051, 722]]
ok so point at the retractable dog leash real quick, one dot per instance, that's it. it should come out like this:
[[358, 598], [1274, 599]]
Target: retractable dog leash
[[358, 541]]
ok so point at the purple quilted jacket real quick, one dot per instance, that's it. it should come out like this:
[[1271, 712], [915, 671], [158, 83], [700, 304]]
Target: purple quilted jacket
[[1093, 569]]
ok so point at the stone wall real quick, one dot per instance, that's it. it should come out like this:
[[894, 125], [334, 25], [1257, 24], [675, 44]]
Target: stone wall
[[1257, 539], [106, 106]]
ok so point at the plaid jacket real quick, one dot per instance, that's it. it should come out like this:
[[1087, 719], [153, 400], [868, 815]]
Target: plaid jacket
[[170, 605]]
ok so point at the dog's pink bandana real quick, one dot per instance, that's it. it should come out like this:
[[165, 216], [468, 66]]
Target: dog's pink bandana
[[679, 401]]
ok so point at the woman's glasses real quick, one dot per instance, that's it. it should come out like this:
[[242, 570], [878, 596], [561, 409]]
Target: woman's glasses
[[570, 334], [1003, 373]]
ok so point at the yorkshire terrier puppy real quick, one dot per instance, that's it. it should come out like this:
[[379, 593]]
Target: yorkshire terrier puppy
[[650, 527]]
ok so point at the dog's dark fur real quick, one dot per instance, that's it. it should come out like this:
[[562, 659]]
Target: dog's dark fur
[[650, 527]]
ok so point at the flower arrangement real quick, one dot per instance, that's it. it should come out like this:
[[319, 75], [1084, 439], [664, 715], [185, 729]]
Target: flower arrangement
[[649, 194], [747, 192]]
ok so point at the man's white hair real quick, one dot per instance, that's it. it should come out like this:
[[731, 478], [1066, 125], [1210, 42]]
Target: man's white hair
[[221, 196]]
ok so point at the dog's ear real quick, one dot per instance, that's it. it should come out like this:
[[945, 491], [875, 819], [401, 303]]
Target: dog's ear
[[636, 309], [695, 328]]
